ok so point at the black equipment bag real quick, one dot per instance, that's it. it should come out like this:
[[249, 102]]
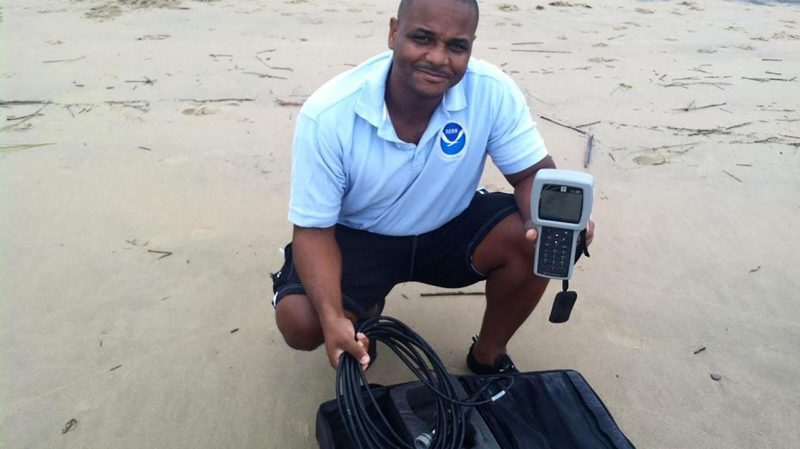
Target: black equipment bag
[[542, 410]]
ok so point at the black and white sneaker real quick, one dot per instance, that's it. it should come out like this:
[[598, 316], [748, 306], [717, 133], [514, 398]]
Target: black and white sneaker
[[502, 364]]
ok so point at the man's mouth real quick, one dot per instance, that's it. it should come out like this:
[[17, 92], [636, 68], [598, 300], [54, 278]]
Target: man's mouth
[[433, 73]]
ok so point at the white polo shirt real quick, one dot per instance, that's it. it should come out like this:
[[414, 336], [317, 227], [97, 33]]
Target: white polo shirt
[[349, 166]]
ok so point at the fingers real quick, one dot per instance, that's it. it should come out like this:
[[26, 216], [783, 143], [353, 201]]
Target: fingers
[[363, 343], [531, 235], [589, 233]]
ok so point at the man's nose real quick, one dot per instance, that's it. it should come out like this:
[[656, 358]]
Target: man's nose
[[437, 55]]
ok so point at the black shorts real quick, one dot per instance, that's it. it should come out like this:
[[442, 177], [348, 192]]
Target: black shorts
[[372, 264]]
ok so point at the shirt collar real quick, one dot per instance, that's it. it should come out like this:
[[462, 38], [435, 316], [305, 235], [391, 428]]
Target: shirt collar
[[371, 105]]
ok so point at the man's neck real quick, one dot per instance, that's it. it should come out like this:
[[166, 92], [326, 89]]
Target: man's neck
[[406, 105]]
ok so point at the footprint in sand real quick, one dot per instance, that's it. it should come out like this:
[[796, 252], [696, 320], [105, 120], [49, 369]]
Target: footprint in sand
[[650, 159]]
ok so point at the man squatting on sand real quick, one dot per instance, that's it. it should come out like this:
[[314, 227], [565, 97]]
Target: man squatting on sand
[[386, 162]]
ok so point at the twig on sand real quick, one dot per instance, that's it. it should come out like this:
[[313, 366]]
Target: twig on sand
[[25, 146], [64, 60], [116, 367], [163, 253], [526, 43], [732, 176], [265, 75], [146, 80], [26, 118], [456, 293], [588, 124], [564, 125], [709, 131], [22, 117], [529, 50], [718, 85], [766, 80], [141, 105], [216, 100], [698, 351], [281, 102], [23, 102], [145, 148], [692, 107], [753, 270], [588, 157]]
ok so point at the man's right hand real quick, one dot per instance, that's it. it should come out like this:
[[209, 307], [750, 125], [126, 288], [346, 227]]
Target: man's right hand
[[341, 337]]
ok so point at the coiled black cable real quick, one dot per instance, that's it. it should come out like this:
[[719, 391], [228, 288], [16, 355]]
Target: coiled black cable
[[356, 400]]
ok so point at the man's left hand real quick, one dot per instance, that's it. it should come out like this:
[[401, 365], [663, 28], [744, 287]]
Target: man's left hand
[[531, 234]]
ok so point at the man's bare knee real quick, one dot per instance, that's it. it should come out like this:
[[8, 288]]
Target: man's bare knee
[[298, 323]]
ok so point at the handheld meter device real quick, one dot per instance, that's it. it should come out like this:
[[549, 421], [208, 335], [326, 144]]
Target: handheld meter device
[[561, 202]]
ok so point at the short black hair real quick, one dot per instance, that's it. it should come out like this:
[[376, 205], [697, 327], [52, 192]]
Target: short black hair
[[405, 4]]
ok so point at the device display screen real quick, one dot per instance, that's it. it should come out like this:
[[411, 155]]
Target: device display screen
[[561, 203]]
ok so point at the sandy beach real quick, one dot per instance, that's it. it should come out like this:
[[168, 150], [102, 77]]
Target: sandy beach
[[145, 154]]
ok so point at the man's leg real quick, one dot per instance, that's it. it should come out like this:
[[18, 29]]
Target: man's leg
[[298, 322], [371, 265], [512, 290]]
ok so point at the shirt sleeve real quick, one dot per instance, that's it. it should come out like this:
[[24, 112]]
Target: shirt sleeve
[[514, 143], [318, 177]]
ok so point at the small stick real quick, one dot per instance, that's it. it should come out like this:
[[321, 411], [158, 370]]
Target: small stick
[[691, 107], [755, 269], [588, 158], [26, 118], [732, 176], [23, 102], [526, 43], [146, 80], [612, 157], [116, 367], [526, 50], [280, 102], [219, 55], [63, 60], [146, 149], [21, 117], [165, 253], [674, 146], [764, 80], [743, 165], [700, 350], [771, 59], [564, 125], [235, 330], [588, 124], [216, 100], [458, 293], [265, 75]]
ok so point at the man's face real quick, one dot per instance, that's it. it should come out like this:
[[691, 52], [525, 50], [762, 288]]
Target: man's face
[[432, 42]]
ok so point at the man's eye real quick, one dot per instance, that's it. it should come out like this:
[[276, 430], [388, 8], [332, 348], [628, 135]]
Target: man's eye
[[458, 48], [422, 39]]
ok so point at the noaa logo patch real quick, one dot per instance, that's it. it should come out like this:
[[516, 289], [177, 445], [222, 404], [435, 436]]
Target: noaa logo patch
[[452, 140]]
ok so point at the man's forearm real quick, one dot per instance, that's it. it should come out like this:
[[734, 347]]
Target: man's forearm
[[523, 182], [319, 262]]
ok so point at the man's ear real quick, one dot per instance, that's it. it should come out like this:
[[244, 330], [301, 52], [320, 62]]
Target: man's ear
[[392, 32]]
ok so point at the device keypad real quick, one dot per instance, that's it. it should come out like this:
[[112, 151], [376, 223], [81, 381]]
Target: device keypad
[[555, 251]]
